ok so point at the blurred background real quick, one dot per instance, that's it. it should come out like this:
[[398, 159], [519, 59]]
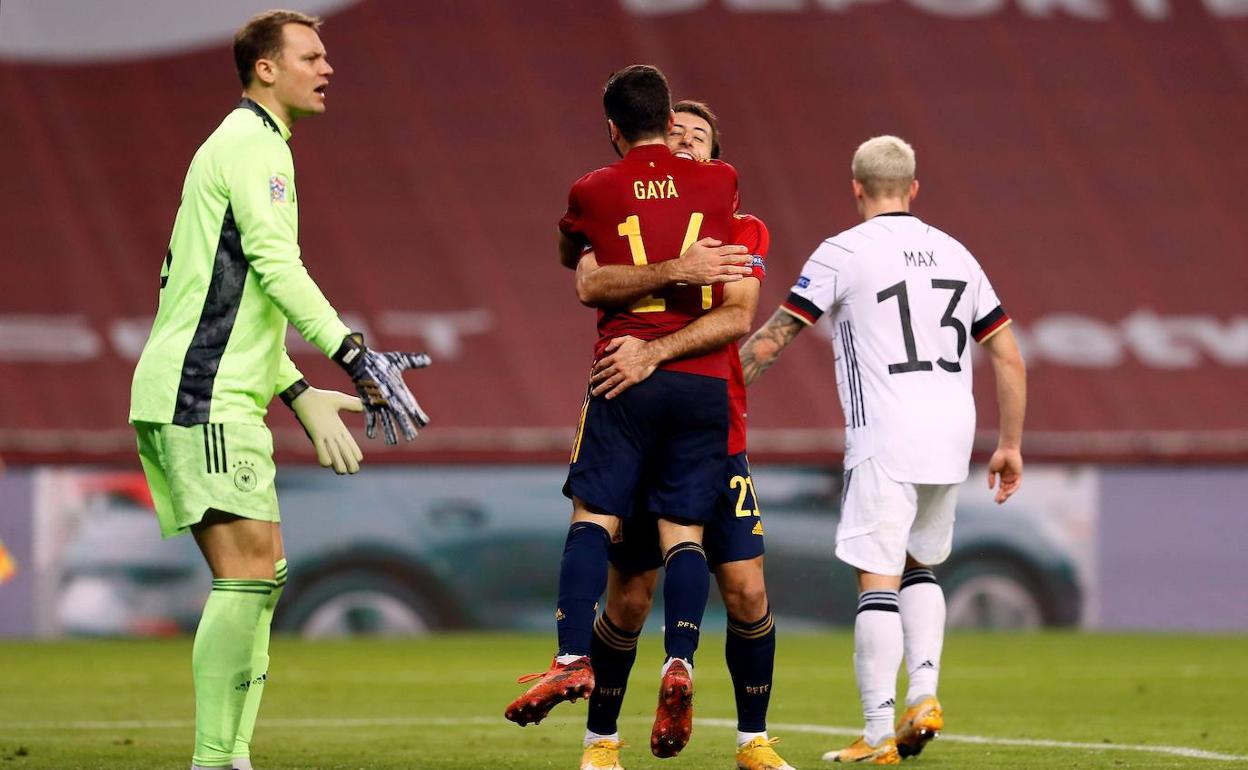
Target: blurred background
[[1089, 152]]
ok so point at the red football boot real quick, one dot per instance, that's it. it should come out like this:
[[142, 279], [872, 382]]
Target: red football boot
[[673, 720], [562, 682]]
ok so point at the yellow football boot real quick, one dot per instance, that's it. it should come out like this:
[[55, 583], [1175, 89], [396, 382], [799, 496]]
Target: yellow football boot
[[602, 754], [861, 751], [758, 754], [922, 722]]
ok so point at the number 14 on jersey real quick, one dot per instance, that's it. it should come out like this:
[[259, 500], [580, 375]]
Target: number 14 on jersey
[[630, 228]]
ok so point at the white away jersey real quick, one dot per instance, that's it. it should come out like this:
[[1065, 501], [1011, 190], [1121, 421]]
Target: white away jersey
[[905, 300]]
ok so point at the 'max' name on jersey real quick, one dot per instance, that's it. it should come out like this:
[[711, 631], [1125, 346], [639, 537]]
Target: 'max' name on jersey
[[905, 299]]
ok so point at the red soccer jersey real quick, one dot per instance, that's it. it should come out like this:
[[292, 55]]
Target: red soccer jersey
[[649, 207], [750, 232]]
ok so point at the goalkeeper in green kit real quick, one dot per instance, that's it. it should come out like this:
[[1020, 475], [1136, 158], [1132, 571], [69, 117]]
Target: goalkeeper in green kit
[[232, 280]]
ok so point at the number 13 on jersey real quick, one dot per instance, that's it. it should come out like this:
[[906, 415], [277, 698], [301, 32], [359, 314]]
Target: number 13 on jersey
[[630, 228]]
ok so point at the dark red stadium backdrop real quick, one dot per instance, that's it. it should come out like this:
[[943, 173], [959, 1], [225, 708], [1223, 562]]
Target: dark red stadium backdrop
[[1092, 166]]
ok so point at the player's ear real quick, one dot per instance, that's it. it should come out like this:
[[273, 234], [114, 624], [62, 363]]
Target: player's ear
[[266, 72], [671, 122], [613, 131], [914, 189], [859, 190]]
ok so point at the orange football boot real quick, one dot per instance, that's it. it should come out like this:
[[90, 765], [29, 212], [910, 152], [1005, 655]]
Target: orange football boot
[[561, 682], [673, 720]]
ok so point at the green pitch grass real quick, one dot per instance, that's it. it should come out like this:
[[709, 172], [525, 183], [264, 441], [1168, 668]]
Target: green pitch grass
[[438, 703]]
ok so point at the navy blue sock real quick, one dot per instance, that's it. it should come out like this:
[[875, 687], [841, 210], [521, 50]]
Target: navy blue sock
[[686, 586], [582, 579], [750, 650], [612, 657]]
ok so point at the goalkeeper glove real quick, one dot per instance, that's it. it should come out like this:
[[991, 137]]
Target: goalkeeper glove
[[317, 411], [378, 378]]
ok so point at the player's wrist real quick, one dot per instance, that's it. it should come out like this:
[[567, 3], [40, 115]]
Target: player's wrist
[[351, 355], [295, 390], [670, 271], [655, 351]]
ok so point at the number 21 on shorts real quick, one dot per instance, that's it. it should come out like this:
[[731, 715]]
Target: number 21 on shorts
[[744, 485]]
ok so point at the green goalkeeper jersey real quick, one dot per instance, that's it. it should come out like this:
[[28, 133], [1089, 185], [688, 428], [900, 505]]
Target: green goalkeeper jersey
[[231, 281]]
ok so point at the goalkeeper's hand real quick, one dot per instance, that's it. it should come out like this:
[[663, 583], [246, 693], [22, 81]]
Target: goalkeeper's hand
[[317, 411], [378, 378]]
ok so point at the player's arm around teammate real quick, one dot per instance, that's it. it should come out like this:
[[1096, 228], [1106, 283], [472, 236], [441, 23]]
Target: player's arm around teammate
[[706, 262], [630, 360]]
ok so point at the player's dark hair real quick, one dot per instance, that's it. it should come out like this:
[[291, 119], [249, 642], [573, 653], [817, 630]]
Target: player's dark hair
[[261, 38], [702, 111], [638, 101]]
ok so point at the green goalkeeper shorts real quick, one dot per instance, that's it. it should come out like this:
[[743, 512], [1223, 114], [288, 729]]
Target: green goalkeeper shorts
[[219, 466]]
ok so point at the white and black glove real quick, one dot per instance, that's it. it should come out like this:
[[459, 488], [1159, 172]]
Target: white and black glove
[[317, 411], [378, 378]]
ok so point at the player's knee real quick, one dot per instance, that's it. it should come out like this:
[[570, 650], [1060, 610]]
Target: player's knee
[[629, 613], [629, 608], [745, 599], [236, 547], [913, 563]]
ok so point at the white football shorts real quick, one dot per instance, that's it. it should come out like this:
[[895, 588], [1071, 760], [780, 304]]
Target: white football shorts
[[883, 519]]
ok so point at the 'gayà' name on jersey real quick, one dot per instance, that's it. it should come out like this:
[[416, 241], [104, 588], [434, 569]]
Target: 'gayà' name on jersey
[[920, 258], [655, 188]]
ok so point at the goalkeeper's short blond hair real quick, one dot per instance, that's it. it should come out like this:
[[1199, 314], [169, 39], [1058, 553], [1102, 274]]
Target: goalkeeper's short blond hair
[[884, 165]]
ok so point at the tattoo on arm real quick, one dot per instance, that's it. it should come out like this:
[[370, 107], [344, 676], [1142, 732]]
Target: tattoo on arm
[[763, 347]]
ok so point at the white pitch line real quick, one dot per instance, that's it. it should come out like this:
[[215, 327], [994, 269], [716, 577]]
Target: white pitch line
[[320, 722], [1178, 751]]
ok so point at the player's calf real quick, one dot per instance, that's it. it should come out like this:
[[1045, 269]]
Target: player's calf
[[686, 586], [612, 655], [750, 651]]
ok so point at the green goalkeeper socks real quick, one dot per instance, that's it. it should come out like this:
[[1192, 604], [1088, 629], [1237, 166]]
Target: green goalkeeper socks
[[259, 666], [221, 664]]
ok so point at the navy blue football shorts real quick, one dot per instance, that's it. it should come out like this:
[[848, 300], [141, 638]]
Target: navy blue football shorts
[[735, 534], [659, 448]]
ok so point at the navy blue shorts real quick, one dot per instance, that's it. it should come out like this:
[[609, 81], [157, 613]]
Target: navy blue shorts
[[735, 534], [659, 448]]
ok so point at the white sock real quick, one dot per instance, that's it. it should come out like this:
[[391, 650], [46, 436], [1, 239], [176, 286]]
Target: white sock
[[242, 763], [744, 738], [591, 736], [670, 661], [923, 623], [877, 656], [564, 660]]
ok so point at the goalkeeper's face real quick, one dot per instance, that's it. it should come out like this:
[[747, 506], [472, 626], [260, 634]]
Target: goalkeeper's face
[[302, 72]]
